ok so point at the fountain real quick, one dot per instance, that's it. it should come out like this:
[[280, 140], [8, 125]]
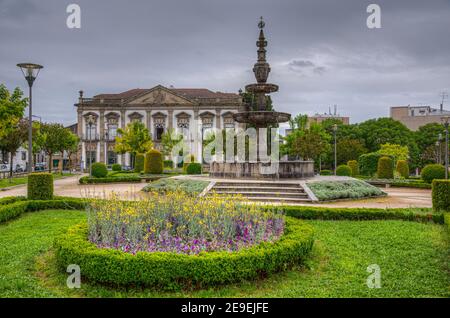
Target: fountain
[[262, 117]]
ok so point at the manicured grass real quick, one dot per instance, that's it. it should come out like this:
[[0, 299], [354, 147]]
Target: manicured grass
[[4, 183], [413, 258]]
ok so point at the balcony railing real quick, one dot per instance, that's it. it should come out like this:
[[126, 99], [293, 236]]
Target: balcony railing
[[90, 137]]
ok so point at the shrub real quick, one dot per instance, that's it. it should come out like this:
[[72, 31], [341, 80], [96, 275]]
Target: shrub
[[403, 168], [432, 171], [353, 164], [171, 270], [343, 170], [139, 161], [194, 168], [385, 170], [441, 195], [99, 170], [40, 186], [153, 163], [116, 167], [169, 185], [168, 164], [325, 173], [368, 163], [190, 159], [351, 189]]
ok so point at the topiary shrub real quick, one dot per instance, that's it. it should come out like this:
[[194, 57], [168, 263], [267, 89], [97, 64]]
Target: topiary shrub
[[441, 195], [139, 161], [153, 163], [116, 167], [368, 163], [194, 168], [432, 171], [99, 170], [40, 186], [403, 168], [385, 170], [343, 170], [168, 164], [353, 164], [325, 172], [190, 159]]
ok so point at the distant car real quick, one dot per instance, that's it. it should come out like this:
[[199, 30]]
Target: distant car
[[40, 167], [19, 168], [4, 168], [126, 168]]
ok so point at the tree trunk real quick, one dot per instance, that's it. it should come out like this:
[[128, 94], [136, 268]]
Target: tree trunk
[[50, 162], [11, 166]]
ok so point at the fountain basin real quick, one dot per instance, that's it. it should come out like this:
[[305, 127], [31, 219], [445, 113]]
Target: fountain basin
[[261, 118]]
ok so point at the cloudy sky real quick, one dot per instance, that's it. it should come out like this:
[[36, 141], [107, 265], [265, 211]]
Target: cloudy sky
[[321, 51]]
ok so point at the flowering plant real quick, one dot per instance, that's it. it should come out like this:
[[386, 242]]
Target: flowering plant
[[177, 222]]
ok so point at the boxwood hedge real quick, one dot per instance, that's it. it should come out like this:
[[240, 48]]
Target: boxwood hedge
[[110, 179], [170, 270], [441, 195]]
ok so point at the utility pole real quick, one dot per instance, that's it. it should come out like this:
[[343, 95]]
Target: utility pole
[[444, 96]]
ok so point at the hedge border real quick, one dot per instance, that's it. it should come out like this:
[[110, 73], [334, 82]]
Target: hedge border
[[110, 179], [168, 270]]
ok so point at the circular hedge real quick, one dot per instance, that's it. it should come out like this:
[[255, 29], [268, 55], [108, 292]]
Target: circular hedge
[[344, 170], [432, 171], [166, 270], [99, 170]]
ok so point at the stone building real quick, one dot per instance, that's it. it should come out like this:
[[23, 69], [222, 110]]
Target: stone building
[[414, 117], [188, 111]]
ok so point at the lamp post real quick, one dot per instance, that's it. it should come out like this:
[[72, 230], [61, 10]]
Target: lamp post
[[446, 120], [439, 145], [90, 122], [335, 128], [30, 72]]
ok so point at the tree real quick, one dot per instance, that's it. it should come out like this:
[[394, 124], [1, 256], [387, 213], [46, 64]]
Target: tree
[[69, 143], [396, 151], [135, 138], [169, 140], [12, 107], [12, 140], [349, 149], [52, 138], [307, 143], [426, 137]]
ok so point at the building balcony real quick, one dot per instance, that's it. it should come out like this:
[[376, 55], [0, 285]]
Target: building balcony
[[90, 137]]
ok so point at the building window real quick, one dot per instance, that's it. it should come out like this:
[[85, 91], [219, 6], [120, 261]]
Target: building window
[[24, 156], [112, 157], [91, 131], [159, 133], [90, 157], [112, 131]]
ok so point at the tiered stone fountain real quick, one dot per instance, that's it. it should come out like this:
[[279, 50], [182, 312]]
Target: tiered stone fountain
[[262, 117]]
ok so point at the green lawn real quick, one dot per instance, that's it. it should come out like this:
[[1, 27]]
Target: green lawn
[[413, 258], [4, 183]]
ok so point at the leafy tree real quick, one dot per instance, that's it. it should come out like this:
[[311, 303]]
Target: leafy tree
[[348, 149], [52, 138], [170, 140], [397, 152], [426, 137], [12, 140], [69, 143], [135, 138], [12, 107], [307, 143]]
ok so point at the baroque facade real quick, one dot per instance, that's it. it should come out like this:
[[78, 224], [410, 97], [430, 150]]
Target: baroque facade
[[190, 112]]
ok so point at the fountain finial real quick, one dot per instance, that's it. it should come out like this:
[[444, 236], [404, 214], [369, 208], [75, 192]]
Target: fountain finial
[[261, 23]]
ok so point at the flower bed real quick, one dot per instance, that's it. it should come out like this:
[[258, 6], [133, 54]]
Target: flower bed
[[170, 184], [171, 270], [179, 223], [351, 189]]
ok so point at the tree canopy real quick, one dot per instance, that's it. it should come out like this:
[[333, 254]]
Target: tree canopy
[[12, 107], [135, 138]]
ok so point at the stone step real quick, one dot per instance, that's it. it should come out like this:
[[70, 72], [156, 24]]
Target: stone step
[[280, 200], [260, 189], [258, 184], [264, 194]]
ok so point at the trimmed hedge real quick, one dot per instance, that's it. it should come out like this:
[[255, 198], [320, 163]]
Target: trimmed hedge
[[403, 168], [325, 173], [384, 170], [168, 164], [368, 163], [432, 171], [441, 195], [99, 170], [353, 164], [343, 170], [40, 186], [171, 270], [20, 206], [139, 162], [194, 168], [116, 167], [111, 179], [153, 162], [360, 214]]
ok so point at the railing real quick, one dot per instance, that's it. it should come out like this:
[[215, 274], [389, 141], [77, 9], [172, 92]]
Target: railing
[[91, 137], [5, 174]]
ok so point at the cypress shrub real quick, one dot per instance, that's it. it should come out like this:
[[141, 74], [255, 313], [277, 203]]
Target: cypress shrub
[[153, 163], [432, 171], [441, 195], [194, 168], [403, 168], [99, 170], [116, 167], [40, 186], [353, 164], [343, 170], [368, 163], [385, 170], [139, 160]]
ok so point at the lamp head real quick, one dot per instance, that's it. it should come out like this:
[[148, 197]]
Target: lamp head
[[30, 71]]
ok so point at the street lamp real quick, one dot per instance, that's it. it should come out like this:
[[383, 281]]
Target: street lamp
[[439, 145], [30, 72], [446, 120], [335, 128], [90, 121]]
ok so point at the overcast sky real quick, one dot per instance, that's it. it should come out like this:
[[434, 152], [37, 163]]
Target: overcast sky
[[321, 52]]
